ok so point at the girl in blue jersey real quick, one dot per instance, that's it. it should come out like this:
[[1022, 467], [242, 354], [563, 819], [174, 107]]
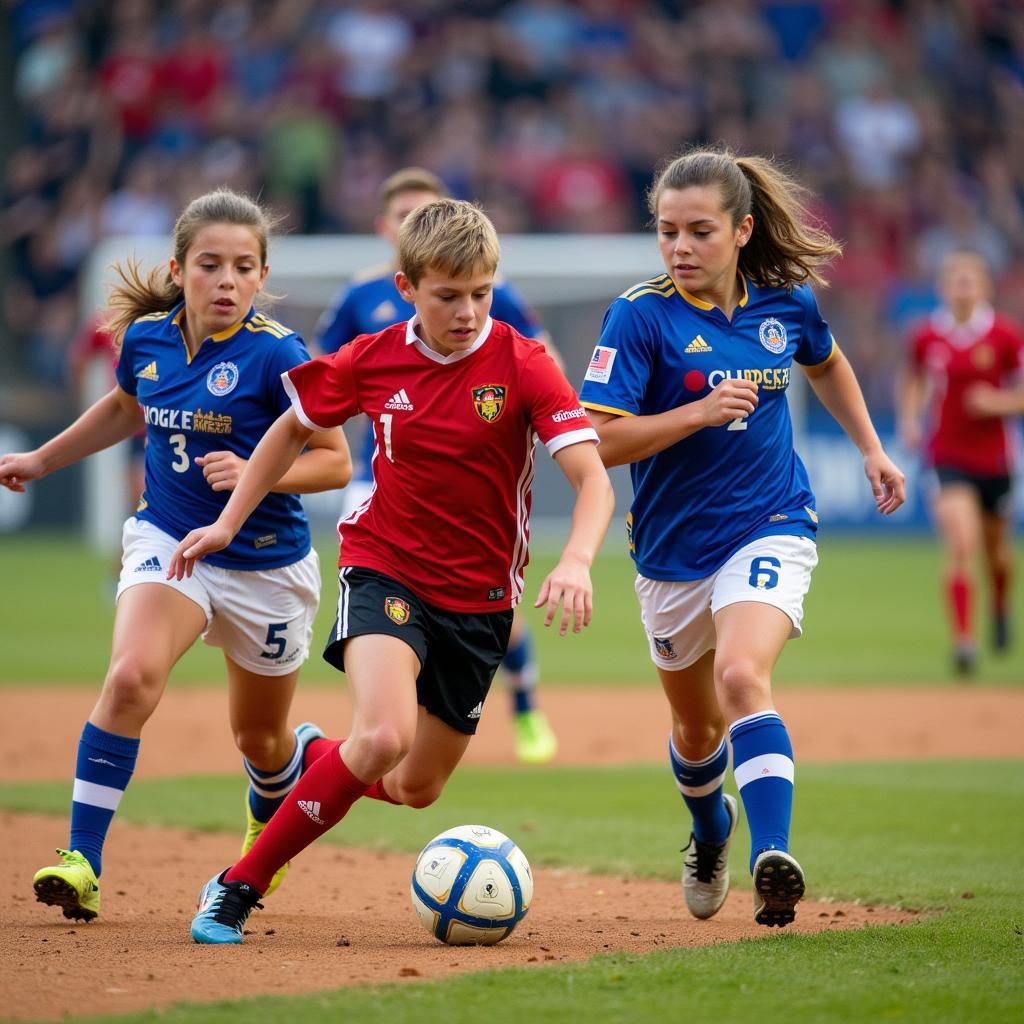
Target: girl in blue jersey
[[201, 368], [688, 385]]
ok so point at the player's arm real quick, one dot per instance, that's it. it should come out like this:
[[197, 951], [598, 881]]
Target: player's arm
[[911, 399], [626, 439], [569, 581], [835, 384], [325, 465], [270, 460], [985, 400], [113, 418]]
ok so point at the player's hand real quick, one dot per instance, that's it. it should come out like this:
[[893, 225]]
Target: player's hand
[[887, 482], [568, 583], [731, 400], [196, 545], [18, 467], [222, 470], [984, 400]]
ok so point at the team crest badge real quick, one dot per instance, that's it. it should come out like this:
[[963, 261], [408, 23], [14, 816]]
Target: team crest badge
[[983, 357], [489, 401], [222, 379], [664, 646], [397, 610], [773, 335]]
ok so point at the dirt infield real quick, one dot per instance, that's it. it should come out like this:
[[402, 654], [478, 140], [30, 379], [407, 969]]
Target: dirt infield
[[317, 933], [320, 932], [595, 726]]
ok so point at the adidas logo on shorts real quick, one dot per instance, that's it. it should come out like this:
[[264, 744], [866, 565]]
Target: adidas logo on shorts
[[149, 565], [477, 711], [311, 808]]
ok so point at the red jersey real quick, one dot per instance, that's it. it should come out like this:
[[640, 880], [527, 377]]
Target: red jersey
[[953, 358], [450, 507]]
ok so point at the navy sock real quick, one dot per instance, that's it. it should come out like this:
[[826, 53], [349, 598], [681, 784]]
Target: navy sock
[[268, 789], [102, 773], [762, 758], [700, 782], [520, 672]]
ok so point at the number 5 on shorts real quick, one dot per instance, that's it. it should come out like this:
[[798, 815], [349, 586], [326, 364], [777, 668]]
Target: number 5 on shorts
[[762, 572], [275, 640]]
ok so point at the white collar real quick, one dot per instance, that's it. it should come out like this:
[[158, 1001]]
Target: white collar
[[412, 338], [964, 335]]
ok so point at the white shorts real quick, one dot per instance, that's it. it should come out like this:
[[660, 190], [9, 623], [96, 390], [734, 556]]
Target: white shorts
[[261, 618], [678, 617]]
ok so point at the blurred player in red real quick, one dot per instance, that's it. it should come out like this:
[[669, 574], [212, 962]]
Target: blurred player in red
[[955, 400], [431, 564]]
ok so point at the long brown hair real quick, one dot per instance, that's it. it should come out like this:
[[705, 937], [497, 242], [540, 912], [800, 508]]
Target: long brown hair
[[138, 294], [786, 246]]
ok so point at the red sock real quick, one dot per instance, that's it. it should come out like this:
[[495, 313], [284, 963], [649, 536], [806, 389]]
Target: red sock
[[958, 593], [316, 749], [1000, 587], [378, 792], [320, 799]]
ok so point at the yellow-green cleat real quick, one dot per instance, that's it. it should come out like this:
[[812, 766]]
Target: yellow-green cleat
[[71, 885], [252, 833], [535, 742]]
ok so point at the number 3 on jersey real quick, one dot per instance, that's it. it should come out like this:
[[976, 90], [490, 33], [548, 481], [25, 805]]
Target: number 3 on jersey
[[180, 463]]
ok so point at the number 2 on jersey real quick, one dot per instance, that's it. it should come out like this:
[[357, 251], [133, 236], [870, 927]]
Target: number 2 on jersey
[[740, 423]]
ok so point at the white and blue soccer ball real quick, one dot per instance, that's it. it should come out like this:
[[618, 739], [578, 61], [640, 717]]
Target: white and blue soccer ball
[[471, 886]]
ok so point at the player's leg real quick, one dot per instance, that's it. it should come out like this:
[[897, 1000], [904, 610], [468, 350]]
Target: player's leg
[[535, 740], [381, 674], [263, 621], [154, 625], [958, 514], [680, 634], [421, 776], [757, 606], [997, 528]]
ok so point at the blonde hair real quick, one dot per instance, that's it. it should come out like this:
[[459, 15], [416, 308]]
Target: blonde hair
[[410, 179], [786, 247], [449, 235], [138, 295]]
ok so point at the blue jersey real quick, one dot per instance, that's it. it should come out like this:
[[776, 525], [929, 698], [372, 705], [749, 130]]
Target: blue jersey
[[371, 302], [222, 399], [700, 500]]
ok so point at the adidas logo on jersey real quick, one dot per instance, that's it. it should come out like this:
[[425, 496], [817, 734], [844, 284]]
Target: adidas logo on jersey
[[311, 808], [399, 400], [697, 345], [477, 711], [149, 565], [149, 372]]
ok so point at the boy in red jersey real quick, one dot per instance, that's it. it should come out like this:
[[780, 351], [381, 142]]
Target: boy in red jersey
[[432, 562], [961, 359]]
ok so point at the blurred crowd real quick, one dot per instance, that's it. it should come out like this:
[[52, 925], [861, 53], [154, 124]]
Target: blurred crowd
[[906, 117]]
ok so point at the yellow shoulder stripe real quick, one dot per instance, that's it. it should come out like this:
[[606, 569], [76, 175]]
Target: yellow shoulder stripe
[[661, 283], [665, 294], [152, 316], [606, 408]]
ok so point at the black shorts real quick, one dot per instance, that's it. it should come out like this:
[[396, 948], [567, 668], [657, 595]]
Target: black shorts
[[994, 492], [459, 652]]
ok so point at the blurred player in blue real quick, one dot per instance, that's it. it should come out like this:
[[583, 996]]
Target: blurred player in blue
[[368, 304], [688, 385], [201, 369]]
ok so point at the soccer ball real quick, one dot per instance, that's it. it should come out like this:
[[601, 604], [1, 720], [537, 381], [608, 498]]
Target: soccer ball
[[471, 886]]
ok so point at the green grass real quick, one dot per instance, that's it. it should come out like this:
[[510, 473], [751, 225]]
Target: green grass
[[915, 835], [873, 617]]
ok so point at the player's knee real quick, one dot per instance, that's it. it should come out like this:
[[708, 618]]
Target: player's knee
[[698, 740], [132, 688], [743, 685], [262, 747], [419, 794], [372, 752]]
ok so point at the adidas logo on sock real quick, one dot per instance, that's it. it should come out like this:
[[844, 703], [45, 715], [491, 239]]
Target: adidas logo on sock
[[149, 565], [477, 711], [311, 808], [399, 400], [697, 345]]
